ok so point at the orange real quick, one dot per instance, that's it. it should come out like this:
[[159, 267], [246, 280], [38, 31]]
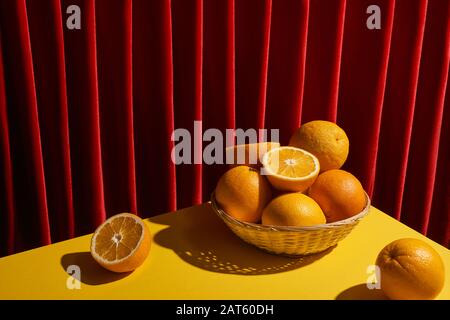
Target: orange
[[121, 243], [248, 154], [243, 193], [294, 210], [339, 194], [290, 169], [326, 140], [410, 269]]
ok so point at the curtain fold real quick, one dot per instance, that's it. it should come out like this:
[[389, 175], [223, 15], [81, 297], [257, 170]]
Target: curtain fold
[[84, 119], [116, 104], [399, 104], [323, 61], [218, 79], [438, 227], [426, 133], [47, 43], [31, 217], [87, 116], [252, 27], [7, 221], [287, 55], [365, 60], [187, 33], [153, 106]]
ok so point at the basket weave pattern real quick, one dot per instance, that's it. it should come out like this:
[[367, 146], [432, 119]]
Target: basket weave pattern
[[291, 241]]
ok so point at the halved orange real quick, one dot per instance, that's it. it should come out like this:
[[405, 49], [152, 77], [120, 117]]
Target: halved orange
[[290, 168], [121, 243]]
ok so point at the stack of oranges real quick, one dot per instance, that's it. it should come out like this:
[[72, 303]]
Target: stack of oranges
[[296, 185]]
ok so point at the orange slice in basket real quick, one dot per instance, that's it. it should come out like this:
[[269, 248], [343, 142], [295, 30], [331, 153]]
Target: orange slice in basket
[[290, 168], [121, 243]]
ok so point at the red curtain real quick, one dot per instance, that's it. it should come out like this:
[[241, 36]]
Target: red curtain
[[86, 116]]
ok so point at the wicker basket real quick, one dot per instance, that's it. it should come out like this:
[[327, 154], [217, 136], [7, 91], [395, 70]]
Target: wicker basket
[[291, 241]]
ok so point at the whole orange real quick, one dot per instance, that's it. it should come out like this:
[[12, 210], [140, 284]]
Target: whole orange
[[339, 194], [410, 269], [324, 139], [243, 193], [293, 209]]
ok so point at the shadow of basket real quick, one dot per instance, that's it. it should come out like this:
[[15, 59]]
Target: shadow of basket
[[201, 239]]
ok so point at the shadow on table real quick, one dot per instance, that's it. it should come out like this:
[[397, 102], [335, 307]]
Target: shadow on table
[[90, 271], [200, 238], [361, 292]]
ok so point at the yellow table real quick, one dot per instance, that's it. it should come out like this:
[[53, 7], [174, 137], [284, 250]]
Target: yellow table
[[195, 256]]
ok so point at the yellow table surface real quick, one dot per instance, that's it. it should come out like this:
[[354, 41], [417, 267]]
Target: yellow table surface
[[195, 256]]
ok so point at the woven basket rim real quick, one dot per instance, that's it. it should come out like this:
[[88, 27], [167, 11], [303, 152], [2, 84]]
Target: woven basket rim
[[222, 214]]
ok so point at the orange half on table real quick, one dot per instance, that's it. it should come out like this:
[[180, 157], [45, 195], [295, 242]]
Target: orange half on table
[[121, 243]]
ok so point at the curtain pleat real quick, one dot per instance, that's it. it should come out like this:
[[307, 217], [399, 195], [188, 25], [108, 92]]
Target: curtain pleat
[[47, 44], [153, 106], [84, 119], [87, 116], [323, 60], [399, 103], [115, 85], [288, 42], [253, 19], [218, 78], [439, 225], [31, 215], [423, 155], [187, 33], [7, 225], [365, 55]]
